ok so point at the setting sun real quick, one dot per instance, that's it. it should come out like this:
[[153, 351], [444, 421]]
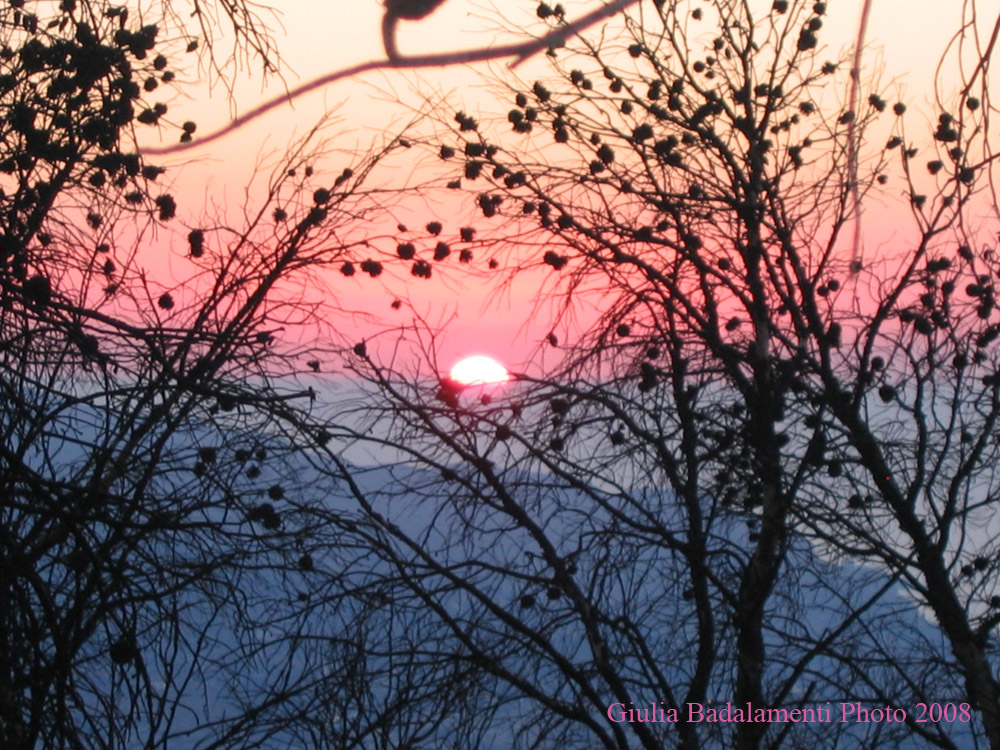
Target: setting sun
[[479, 370]]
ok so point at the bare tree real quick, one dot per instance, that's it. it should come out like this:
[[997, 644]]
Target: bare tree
[[769, 455], [160, 546], [740, 483]]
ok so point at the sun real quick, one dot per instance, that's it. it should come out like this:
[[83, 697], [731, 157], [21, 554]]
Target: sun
[[479, 370]]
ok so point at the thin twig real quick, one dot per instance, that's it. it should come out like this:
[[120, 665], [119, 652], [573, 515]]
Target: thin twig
[[852, 146]]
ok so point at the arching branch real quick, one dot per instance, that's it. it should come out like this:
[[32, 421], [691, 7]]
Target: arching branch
[[520, 52]]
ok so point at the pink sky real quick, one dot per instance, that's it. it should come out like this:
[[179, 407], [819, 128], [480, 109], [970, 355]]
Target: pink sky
[[315, 39]]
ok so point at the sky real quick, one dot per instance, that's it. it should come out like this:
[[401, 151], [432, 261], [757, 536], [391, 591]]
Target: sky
[[314, 39]]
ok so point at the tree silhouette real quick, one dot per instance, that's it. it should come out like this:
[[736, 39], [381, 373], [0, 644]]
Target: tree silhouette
[[159, 545], [722, 489], [750, 477]]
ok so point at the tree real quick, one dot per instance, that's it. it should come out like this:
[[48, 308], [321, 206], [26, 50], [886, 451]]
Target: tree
[[157, 543], [173, 575], [759, 423]]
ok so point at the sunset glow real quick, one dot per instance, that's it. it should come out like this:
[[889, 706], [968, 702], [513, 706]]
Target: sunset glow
[[479, 370]]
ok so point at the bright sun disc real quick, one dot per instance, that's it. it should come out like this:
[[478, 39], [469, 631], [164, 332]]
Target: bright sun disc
[[479, 370]]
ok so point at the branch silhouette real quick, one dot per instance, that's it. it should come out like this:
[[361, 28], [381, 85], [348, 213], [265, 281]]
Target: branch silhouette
[[520, 52], [852, 143]]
